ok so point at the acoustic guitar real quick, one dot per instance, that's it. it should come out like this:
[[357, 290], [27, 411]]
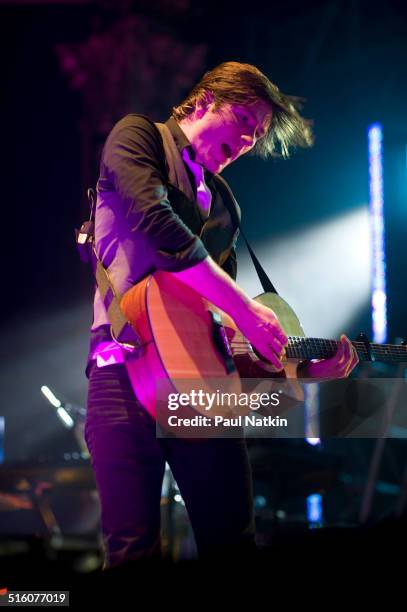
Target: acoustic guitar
[[189, 342]]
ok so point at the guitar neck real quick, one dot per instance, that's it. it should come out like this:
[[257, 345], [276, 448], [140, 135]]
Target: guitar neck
[[319, 348]]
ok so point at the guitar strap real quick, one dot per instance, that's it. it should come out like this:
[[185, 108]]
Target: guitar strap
[[231, 205]]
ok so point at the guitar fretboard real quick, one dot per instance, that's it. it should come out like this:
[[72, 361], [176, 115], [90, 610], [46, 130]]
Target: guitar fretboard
[[319, 348]]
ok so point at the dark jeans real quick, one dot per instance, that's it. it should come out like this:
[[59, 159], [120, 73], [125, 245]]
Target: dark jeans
[[213, 476]]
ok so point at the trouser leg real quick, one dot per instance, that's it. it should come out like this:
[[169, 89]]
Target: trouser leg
[[128, 464], [214, 478]]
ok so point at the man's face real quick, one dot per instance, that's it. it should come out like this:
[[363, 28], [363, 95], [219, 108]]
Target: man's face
[[221, 136]]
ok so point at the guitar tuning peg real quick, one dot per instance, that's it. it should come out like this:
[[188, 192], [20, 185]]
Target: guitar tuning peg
[[363, 338]]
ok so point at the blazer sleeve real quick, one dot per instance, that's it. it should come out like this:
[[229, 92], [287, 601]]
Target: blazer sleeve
[[133, 166]]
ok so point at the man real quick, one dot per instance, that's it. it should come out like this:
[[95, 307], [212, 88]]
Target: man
[[146, 223]]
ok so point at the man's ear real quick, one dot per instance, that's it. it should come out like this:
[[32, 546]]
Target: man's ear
[[205, 104]]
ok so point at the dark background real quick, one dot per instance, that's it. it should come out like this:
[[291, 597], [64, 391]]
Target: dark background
[[60, 97], [348, 59]]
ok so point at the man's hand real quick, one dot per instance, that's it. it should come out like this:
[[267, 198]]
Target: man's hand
[[257, 323], [338, 366], [262, 329]]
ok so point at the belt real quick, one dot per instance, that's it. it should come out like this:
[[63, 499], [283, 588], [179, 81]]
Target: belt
[[108, 353]]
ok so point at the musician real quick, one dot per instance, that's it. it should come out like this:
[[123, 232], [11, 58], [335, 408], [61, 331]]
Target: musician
[[145, 223]]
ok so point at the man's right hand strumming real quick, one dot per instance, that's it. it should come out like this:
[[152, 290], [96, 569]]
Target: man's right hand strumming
[[260, 326], [257, 323]]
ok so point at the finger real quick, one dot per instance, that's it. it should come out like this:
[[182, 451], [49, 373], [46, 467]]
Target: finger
[[353, 358], [347, 348], [280, 334], [283, 337], [275, 335], [341, 358], [265, 350], [353, 362], [275, 362], [273, 357], [347, 354], [276, 345], [276, 328], [339, 355]]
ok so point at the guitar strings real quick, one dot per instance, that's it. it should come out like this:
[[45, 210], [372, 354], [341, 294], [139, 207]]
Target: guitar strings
[[298, 346]]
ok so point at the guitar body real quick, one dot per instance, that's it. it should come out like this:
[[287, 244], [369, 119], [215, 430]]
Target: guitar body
[[188, 341]]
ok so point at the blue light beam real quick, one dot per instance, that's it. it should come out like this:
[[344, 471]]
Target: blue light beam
[[378, 294]]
